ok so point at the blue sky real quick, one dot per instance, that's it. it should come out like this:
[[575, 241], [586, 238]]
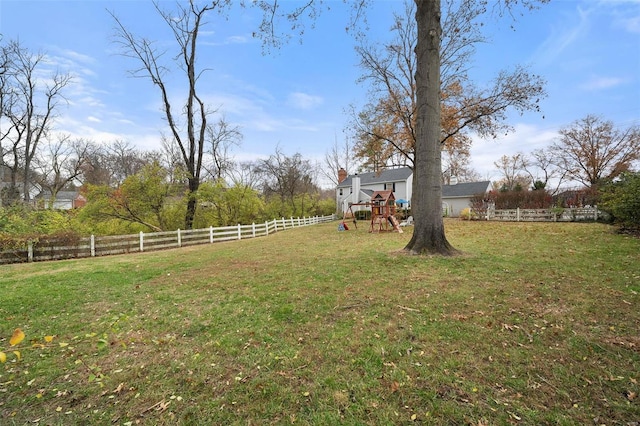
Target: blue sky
[[296, 97]]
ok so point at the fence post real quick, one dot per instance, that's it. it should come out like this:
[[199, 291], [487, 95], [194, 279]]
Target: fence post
[[239, 231], [253, 229], [518, 214], [292, 223], [141, 241], [179, 238], [595, 213], [284, 224], [30, 252], [93, 245], [211, 235]]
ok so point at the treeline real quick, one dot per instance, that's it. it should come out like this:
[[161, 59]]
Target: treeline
[[127, 191]]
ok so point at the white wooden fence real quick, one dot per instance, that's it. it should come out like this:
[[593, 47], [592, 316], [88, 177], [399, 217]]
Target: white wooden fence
[[120, 244], [546, 215]]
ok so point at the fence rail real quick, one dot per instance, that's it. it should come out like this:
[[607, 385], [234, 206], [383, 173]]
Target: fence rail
[[545, 215], [120, 244]]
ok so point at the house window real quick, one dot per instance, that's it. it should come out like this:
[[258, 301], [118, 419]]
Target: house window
[[390, 186], [340, 191]]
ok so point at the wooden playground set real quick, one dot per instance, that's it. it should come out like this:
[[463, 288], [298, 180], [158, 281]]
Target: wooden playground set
[[383, 212]]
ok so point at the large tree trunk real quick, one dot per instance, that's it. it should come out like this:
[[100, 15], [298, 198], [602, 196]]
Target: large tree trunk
[[428, 234], [192, 203]]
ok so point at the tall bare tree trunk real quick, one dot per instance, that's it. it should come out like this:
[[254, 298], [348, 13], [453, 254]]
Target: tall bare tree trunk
[[428, 234], [192, 203]]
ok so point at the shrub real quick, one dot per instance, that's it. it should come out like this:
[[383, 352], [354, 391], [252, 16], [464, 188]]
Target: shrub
[[621, 199], [21, 219], [466, 214]]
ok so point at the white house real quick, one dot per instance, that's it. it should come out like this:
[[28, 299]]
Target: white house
[[358, 188], [5, 184]]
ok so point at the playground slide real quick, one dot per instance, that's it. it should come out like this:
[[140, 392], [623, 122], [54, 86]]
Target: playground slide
[[395, 224]]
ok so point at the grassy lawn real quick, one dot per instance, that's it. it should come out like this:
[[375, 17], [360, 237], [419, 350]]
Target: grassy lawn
[[534, 324]]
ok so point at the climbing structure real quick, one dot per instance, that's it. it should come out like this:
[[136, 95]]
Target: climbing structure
[[383, 210]]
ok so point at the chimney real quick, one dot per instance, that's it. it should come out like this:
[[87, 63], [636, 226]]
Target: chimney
[[342, 175], [453, 180], [355, 188]]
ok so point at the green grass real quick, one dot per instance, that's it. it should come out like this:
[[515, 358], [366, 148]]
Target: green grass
[[534, 324]]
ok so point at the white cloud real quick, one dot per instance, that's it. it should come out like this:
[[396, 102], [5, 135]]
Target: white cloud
[[231, 40], [599, 83], [305, 101], [563, 36], [238, 39], [524, 139]]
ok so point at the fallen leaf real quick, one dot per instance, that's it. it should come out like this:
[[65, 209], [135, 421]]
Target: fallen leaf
[[395, 386], [119, 388], [17, 337], [3, 357], [48, 339]]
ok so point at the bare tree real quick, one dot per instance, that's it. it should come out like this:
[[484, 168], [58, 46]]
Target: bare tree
[[593, 149], [190, 134], [542, 169], [60, 164], [96, 169], [339, 156], [246, 174], [513, 171], [286, 177], [171, 159], [221, 137], [28, 108], [124, 159], [111, 163]]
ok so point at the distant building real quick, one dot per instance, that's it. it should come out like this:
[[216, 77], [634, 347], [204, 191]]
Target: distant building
[[65, 200]]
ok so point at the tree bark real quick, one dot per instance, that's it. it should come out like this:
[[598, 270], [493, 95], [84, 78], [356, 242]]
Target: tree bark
[[192, 202], [428, 234]]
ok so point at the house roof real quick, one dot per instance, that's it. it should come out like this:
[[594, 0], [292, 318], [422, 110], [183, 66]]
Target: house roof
[[60, 195], [387, 175], [466, 189]]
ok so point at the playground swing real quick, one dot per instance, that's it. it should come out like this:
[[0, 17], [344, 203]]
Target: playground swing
[[383, 209]]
